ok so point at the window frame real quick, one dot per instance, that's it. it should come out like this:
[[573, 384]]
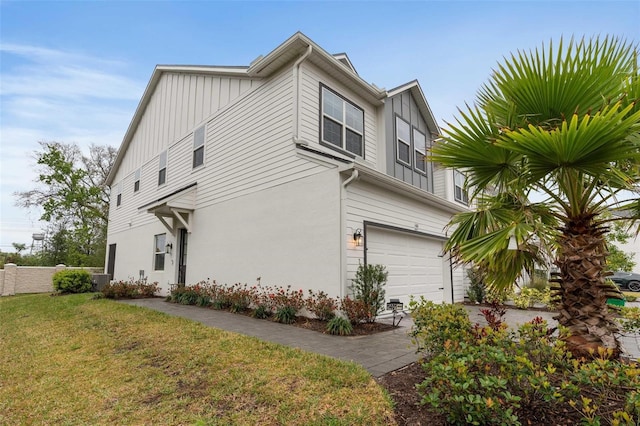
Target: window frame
[[464, 194], [416, 150], [399, 141], [162, 177], [119, 194], [198, 146], [159, 252], [345, 128], [136, 181]]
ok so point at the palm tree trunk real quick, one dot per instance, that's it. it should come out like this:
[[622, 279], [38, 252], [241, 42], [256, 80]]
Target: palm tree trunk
[[583, 308]]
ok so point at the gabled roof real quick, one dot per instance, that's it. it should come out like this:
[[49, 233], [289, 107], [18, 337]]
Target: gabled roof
[[339, 67], [421, 100], [342, 57]]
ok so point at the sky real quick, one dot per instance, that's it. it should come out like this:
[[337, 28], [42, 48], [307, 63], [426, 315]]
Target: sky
[[74, 71]]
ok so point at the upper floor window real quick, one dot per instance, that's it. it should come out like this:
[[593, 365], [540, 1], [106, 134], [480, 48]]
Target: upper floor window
[[119, 194], [403, 136], [461, 194], [342, 123], [420, 148], [159, 251], [198, 147], [136, 182], [162, 168]]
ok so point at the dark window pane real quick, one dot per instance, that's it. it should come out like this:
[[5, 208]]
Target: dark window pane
[[119, 200], [162, 176], [136, 186], [354, 143], [198, 157], [332, 132], [403, 152], [159, 262], [421, 164]]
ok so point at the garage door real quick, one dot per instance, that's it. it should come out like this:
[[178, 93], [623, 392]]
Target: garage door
[[413, 263]]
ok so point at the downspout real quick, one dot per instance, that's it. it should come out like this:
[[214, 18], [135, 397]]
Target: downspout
[[296, 95], [343, 224]]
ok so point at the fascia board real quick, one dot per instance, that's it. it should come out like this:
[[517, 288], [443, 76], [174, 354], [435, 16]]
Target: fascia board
[[421, 100], [383, 180]]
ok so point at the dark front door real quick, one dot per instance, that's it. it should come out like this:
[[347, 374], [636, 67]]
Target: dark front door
[[182, 257], [111, 263]]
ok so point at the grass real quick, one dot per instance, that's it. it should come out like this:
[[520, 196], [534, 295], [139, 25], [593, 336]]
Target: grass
[[73, 360]]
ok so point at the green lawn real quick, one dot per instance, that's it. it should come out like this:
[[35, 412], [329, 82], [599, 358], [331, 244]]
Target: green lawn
[[73, 360]]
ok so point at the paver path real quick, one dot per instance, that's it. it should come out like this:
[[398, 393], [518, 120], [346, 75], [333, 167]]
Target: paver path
[[379, 353]]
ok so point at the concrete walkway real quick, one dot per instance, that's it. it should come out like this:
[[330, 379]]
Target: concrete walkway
[[379, 353]]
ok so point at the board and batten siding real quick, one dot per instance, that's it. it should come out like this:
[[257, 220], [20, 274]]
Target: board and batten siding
[[248, 150], [311, 78], [179, 102], [404, 106], [366, 202]]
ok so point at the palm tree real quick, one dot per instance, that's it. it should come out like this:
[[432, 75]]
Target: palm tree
[[564, 124]]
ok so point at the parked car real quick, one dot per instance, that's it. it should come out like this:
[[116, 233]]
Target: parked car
[[626, 280]]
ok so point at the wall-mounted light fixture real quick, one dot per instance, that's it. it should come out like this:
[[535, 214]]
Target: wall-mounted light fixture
[[168, 248], [357, 237]]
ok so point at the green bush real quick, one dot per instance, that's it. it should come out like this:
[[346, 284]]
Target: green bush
[[368, 286], [339, 326], [436, 327], [482, 375], [285, 315], [72, 281], [529, 296]]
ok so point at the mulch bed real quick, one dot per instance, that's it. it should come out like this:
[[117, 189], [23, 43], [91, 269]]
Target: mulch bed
[[363, 329]]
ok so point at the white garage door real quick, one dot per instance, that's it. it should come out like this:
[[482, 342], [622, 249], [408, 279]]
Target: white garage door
[[412, 261]]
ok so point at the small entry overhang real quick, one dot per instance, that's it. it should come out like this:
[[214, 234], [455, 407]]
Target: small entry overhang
[[174, 210]]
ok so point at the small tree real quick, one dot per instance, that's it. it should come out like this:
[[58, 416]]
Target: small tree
[[368, 287]]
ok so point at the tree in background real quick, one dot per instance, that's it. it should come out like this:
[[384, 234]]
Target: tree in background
[[74, 198], [563, 121], [619, 260]]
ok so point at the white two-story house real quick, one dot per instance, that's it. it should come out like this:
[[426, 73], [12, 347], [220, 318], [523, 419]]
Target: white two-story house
[[293, 169]]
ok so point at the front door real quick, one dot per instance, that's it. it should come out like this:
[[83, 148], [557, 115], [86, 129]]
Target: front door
[[182, 256]]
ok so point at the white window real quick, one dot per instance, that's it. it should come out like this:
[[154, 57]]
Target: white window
[[162, 168], [198, 147], [119, 194], [461, 194], [136, 182], [342, 123], [159, 251], [420, 149], [403, 137]]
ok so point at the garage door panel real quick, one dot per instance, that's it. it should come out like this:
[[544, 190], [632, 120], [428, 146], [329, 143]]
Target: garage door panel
[[412, 261]]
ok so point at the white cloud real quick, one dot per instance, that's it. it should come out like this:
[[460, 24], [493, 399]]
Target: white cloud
[[47, 95]]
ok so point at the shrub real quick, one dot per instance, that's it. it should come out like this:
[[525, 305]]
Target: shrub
[[339, 326], [438, 326], [483, 375], [368, 287], [279, 298], [476, 291], [355, 309], [240, 297], [630, 319], [261, 312], [285, 314], [528, 297], [321, 305], [129, 289], [72, 281]]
